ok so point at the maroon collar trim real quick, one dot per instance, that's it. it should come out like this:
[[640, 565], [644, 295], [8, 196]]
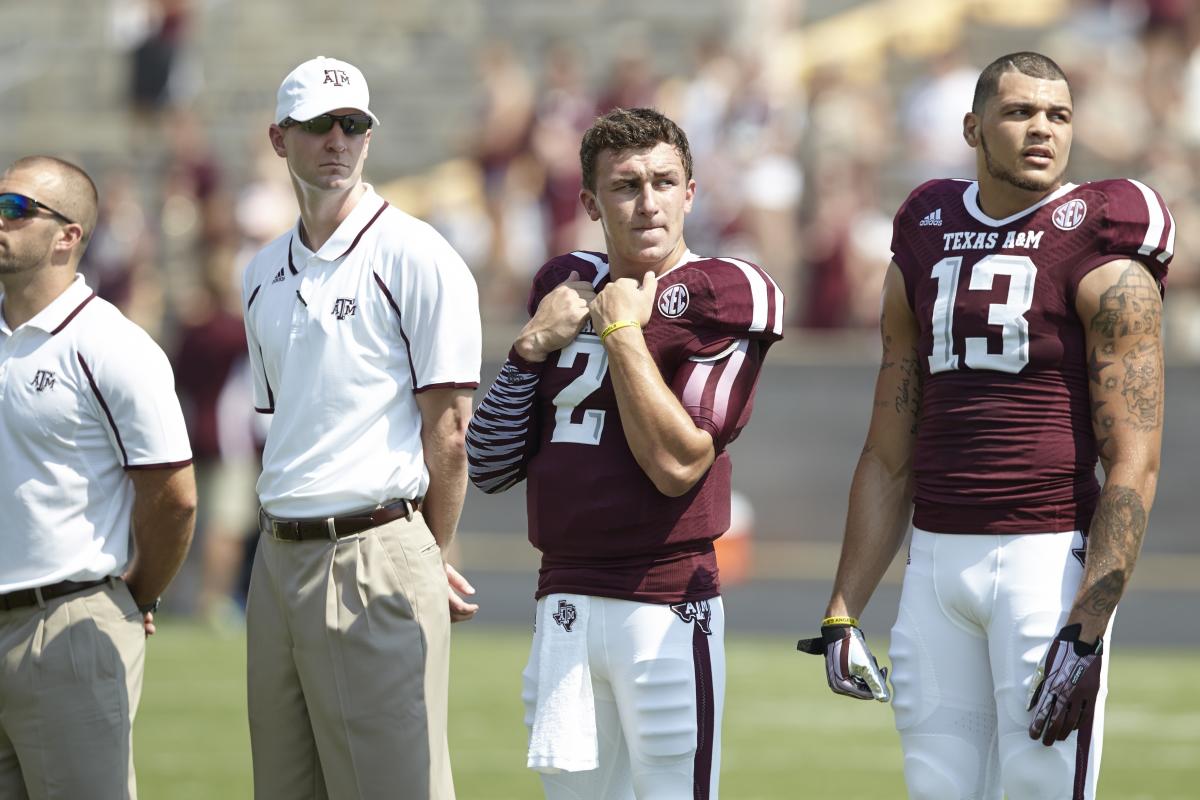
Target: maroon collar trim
[[364, 230], [73, 314]]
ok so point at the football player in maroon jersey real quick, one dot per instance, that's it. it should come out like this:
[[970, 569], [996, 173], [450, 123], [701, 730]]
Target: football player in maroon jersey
[[1021, 328], [616, 404]]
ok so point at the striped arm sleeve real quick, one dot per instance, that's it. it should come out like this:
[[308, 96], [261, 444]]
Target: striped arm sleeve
[[503, 433], [718, 390]]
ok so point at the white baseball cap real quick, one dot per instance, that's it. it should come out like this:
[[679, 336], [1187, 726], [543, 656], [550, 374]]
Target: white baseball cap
[[321, 85]]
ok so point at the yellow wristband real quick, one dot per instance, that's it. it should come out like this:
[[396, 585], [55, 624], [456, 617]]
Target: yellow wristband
[[616, 326], [851, 621]]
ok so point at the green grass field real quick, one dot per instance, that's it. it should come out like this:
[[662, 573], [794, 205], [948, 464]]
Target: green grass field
[[785, 735]]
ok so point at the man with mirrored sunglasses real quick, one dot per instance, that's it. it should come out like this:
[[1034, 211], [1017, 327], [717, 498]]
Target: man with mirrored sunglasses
[[93, 453], [351, 124], [364, 337], [18, 206]]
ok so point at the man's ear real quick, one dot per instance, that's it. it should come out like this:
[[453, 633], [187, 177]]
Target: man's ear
[[589, 204], [971, 129], [275, 134]]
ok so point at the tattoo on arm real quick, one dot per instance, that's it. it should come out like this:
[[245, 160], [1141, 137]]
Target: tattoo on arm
[[1114, 540], [1142, 386], [1130, 306]]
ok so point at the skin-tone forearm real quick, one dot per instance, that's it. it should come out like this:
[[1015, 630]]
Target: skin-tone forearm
[[164, 516], [1121, 307], [664, 440], [666, 443], [445, 414], [881, 492]]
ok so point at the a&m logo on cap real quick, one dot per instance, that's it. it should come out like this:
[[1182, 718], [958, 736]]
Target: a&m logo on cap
[[1070, 215], [673, 301], [337, 77]]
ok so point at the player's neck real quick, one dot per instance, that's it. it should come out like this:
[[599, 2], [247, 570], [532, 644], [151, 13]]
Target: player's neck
[[619, 267], [321, 212], [26, 294], [1000, 199]]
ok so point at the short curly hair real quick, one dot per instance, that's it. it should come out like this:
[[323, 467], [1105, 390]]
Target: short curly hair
[[630, 129]]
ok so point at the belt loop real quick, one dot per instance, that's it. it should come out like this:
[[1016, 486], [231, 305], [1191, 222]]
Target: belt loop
[[37, 592], [112, 581], [408, 510], [331, 526]]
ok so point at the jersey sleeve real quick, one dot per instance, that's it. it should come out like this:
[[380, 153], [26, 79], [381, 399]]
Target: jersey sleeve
[[717, 390], [439, 316], [264, 398], [134, 389], [734, 299], [902, 224], [1137, 225]]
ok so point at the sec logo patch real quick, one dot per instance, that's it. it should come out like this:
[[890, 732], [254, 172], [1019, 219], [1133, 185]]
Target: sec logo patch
[[673, 301], [1070, 215]]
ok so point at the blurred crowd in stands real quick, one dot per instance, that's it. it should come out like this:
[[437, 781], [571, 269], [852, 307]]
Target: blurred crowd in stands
[[798, 172]]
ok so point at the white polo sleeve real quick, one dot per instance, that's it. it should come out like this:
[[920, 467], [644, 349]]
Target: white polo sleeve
[[264, 400], [134, 388], [440, 317]]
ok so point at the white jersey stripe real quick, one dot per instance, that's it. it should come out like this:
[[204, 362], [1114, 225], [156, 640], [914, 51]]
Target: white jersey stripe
[[1165, 254], [1154, 229], [725, 384], [693, 392], [758, 293], [600, 264]]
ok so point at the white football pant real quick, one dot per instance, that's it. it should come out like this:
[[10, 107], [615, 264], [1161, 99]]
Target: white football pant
[[646, 663], [977, 614]]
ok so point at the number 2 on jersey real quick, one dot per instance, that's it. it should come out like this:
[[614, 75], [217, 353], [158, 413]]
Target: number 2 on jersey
[[1009, 316], [587, 430]]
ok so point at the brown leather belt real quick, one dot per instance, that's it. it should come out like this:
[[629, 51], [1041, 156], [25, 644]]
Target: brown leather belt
[[334, 528], [23, 598]]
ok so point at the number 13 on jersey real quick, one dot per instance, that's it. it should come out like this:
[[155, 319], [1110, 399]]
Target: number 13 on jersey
[[1009, 316]]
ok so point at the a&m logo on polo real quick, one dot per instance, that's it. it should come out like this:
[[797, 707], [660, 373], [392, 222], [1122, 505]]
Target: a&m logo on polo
[[344, 307], [43, 380], [337, 77], [673, 301], [565, 616]]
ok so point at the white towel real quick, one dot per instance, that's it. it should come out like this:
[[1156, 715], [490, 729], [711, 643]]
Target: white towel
[[563, 735]]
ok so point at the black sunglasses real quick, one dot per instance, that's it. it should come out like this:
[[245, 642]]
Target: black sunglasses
[[352, 124], [18, 206]]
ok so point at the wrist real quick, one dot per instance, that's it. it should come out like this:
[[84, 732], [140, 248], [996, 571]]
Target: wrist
[[527, 348], [621, 328]]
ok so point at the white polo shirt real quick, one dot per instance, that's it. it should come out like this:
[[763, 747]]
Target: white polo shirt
[[340, 341], [85, 395]]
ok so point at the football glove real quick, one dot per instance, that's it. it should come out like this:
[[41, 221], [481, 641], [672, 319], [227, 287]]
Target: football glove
[[849, 666], [1064, 688]]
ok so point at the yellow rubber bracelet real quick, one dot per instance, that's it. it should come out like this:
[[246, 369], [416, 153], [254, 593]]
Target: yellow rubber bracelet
[[851, 621], [616, 326]]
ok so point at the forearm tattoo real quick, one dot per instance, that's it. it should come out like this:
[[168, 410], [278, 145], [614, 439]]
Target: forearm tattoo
[[1114, 540]]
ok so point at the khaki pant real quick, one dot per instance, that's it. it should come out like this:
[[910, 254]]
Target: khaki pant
[[70, 681], [348, 667]]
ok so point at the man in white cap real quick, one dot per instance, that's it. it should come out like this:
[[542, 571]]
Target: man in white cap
[[364, 337]]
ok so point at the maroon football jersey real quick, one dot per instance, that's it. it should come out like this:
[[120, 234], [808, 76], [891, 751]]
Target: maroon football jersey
[[1005, 443], [600, 523]]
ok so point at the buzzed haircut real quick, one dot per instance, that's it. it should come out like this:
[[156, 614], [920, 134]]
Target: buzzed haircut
[[1035, 65], [630, 129], [76, 178]]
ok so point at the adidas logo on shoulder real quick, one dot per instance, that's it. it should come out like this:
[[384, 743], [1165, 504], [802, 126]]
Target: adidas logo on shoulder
[[279, 275], [932, 218]]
